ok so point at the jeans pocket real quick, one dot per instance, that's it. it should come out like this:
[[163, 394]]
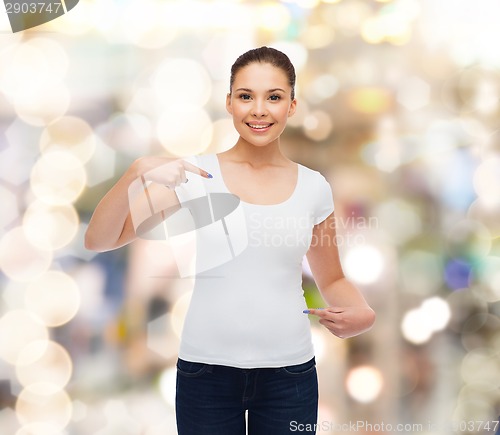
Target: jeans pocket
[[190, 368], [300, 369]]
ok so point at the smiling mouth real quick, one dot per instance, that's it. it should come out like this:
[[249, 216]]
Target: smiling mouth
[[259, 126]]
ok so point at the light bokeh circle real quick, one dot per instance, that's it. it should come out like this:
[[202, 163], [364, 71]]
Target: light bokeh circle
[[44, 403], [179, 310], [364, 383], [58, 178], [364, 264], [42, 361], [415, 328], [20, 259], [317, 125], [21, 329], [43, 105], [19, 61], [69, 133], [180, 84], [54, 297], [185, 132], [50, 227], [40, 429]]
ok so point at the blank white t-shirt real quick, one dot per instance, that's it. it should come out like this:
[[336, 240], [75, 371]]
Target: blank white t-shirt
[[247, 311]]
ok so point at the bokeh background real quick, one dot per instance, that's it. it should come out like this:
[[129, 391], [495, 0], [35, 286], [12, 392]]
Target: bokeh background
[[398, 108]]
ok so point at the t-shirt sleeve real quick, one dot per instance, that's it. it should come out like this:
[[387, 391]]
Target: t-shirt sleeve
[[324, 200]]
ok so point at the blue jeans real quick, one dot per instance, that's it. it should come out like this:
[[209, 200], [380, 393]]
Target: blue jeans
[[212, 399]]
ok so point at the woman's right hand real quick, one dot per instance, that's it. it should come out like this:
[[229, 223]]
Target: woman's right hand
[[170, 172], [112, 223]]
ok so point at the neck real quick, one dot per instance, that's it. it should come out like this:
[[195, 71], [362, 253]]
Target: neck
[[244, 151]]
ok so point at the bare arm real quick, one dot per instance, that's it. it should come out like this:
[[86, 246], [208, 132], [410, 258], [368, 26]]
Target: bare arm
[[110, 226], [112, 223], [348, 313]]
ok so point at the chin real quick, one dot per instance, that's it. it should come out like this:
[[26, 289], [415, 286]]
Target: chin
[[260, 143]]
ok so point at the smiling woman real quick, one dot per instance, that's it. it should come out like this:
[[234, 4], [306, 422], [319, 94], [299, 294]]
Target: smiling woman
[[262, 94], [258, 106], [246, 345]]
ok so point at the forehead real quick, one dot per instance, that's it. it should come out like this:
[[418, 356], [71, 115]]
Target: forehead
[[261, 76]]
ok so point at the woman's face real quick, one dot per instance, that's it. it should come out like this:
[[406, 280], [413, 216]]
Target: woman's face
[[260, 103]]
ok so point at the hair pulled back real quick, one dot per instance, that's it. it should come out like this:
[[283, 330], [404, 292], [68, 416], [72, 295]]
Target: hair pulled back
[[265, 55]]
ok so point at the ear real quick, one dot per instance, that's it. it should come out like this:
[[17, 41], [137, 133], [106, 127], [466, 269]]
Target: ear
[[229, 108], [293, 107]]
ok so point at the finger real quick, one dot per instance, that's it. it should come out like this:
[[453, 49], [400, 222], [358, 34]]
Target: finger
[[335, 310], [315, 311], [328, 323], [324, 311], [195, 169]]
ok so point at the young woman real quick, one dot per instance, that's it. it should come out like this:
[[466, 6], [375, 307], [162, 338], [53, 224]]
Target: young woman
[[246, 343]]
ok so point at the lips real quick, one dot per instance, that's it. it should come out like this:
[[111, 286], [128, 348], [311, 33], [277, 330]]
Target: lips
[[259, 127]]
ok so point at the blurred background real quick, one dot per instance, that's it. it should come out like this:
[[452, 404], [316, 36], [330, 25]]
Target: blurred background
[[398, 108]]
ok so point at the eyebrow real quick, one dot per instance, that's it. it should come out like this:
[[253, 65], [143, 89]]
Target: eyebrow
[[270, 90]]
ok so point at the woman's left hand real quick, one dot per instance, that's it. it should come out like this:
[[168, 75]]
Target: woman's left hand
[[345, 322]]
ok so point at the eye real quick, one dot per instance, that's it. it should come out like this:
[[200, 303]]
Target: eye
[[244, 96], [275, 97]]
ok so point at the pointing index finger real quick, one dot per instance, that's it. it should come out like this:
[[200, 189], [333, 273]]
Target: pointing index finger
[[322, 312], [316, 311], [196, 170]]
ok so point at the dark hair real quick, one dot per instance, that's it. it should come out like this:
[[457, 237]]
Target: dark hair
[[265, 55]]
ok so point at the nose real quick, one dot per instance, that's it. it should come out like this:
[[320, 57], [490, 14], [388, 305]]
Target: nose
[[259, 108]]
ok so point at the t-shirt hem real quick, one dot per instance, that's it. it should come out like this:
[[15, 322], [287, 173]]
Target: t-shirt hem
[[249, 364]]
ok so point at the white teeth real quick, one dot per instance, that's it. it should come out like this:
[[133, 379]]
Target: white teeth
[[259, 126]]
